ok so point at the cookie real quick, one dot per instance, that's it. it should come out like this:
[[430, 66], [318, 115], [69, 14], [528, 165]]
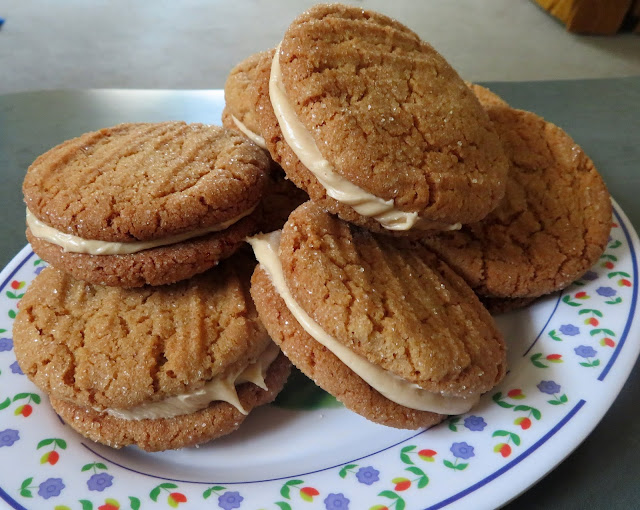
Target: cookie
[[133, 366], [144, 204], [375, 125], [238, 112], [498, 306], [398, 338], [552, 225], [280, 198], [486, 96]]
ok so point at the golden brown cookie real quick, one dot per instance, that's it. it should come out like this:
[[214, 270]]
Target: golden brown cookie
[[144, 203], [238, 99], [551, 226], [217, 420], [408, 316], [485, 96], [387, 114], [132, 350], [280, 198]]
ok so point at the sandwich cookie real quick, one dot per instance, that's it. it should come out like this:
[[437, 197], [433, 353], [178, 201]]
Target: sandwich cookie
[[159, 367], [238, 112], [281, 195], [552, 225], [375, 125], [398, 338], [144, 204]]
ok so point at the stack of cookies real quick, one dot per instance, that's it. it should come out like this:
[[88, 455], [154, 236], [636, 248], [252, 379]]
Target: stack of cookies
[[430, 199], [396, 203], [142, 331]]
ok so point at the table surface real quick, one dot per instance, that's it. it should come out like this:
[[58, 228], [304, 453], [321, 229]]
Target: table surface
[[602, 115]]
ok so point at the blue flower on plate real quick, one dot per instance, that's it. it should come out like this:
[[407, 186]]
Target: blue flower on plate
[[475, 423], [15, 368], [8, 437], [462, 450], [50, 488], [336, 502], [606, 291], [230, 500], [6, 344], [99, 482], [569, 330], [549, 387], [590, 276], [585, 351], [367, 475]]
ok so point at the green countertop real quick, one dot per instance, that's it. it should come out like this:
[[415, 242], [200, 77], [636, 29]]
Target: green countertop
[[603, 116]]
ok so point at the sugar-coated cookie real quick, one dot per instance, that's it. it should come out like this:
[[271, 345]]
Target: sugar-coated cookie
[[375, 125], [144, 204], [398, 321], [552, 224], [238, 112], [126, 366]]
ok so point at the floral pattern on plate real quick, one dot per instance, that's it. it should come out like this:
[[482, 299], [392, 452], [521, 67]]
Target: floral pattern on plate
[[569, 367]]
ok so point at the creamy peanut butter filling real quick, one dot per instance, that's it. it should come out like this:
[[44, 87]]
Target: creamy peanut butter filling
[[254, 137], [393, 387], [75, 244], [221, 388]]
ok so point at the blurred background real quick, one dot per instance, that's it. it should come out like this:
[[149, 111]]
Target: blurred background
[[192, 44]]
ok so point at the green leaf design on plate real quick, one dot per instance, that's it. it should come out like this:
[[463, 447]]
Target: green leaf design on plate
[[135, 503], [26, 483], [283, 505], [403, 454], [86, 504], [300, 392], [415, 470], [210, 490], [154, 494], [5, 403], [343, 472], [44, 442]]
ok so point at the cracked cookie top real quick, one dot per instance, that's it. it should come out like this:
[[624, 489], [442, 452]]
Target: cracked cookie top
[[407, 312], [391, 115], [552, 224], [104, 347], [140, 182], [238, 94]]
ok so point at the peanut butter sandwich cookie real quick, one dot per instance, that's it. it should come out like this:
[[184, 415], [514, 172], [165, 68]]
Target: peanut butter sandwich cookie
[[140, 204], [238, 112], [159, 367], [397, 337], [375, 125], [281, 195], [552, 224]]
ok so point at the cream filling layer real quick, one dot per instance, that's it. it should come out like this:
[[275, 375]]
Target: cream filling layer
[[254, 137], [338, 188], [222, 388], [75, 244], [393, 387]]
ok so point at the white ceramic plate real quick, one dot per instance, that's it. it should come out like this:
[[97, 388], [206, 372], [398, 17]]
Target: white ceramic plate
[[569, 356]]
